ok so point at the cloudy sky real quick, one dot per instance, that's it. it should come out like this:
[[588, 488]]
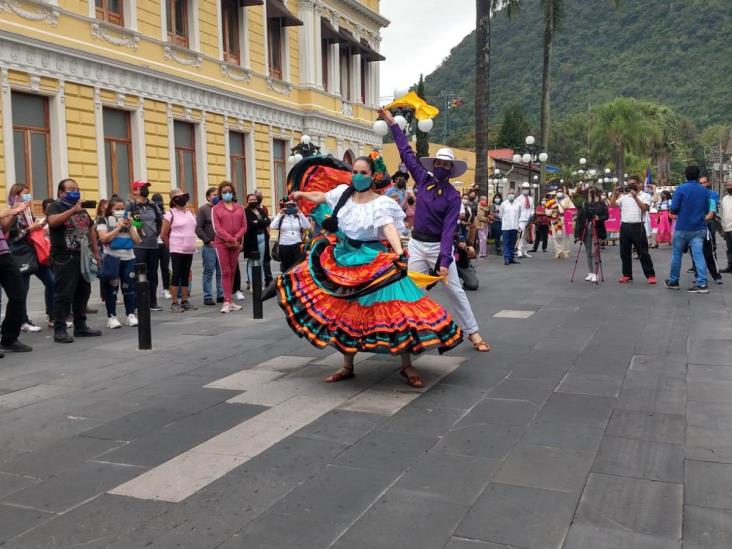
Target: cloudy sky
[[420, 36]]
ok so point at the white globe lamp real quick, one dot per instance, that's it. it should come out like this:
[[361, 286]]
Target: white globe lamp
[[305, 140], [401, 121], [381, 128], [516, 158], [543, 157], [298, 157], [583, 161], [530, 140], [526, 158], [425, 126], [291, 160]]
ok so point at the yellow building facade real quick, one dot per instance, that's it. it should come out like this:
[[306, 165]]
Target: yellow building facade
[[182, 93]]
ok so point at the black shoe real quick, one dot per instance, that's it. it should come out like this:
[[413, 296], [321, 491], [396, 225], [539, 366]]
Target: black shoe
[[2, 355], [505, 262], [209, 301], [690, 270], [220, 299], [86, 331], [695, 289], [718, 280], [671, 285], [156, 307], [514, 262], [60, 335], [16, 346]]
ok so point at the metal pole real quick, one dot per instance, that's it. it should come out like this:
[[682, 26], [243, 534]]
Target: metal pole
[[144, 328], [257, 310]]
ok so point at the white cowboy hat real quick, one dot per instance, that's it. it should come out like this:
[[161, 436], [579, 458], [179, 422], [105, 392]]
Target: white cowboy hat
[[525, 185], [459, 167]]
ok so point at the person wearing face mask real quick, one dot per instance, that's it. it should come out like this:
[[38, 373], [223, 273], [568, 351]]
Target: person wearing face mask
[[438, 209], [290, 224], [205, 232], [483, 222], [542, 224], [255, 238], [148, 218], [72, 235], [589, 228], [118, 236], [725, 211], [555, 207], [179, 235], [267, 257], [510, 214], [380, 310], [410, 208], [398, 191], [18, 236], [495, 220], [157, 199], [526, 201], [634, 205], [229, 225]]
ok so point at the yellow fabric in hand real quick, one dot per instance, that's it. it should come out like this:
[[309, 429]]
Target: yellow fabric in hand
[[422, 280], [422, 109]]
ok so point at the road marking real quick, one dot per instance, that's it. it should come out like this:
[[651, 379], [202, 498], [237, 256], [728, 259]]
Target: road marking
[[509, 313], [297, 399]]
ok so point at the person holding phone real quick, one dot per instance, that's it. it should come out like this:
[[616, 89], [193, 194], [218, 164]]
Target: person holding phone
[[71, 229], [290, 224], [119, 236]]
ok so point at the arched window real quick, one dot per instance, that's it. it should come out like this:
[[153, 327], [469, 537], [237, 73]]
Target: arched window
[[349, 157]]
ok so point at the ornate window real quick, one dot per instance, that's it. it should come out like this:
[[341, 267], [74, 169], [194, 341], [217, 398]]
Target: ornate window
[[32, 143]]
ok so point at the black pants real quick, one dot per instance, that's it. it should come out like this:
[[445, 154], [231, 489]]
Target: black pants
[[633, 235], [181, 264], [289, 256], [542, 236], [237, 280], [728, 240], [164, 266], [12, 282], [267, 261], [71, 291], [496, 233], [710, 255], [151, 258]]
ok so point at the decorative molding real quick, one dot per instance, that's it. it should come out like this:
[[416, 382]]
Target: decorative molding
[[53, 61], [371, 15], [114, 34], [347, 109], [188, 114], [278, 86], [307, 5], [237, 74], [120, 99], [35, 82], [183, 56], [32, 10]]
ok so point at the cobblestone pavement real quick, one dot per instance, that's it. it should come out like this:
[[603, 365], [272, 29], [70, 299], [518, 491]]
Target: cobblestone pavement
[[599, 420]]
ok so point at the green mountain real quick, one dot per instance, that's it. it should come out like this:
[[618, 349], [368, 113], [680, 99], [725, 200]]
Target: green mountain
[[676, 52]]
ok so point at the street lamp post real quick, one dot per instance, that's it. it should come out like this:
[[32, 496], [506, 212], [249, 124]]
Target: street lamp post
[[531, 155]]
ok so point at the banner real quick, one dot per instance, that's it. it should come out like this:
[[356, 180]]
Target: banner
[[612, 224]]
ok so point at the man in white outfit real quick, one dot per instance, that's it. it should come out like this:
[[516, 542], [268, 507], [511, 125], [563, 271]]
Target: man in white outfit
[[526, 212]]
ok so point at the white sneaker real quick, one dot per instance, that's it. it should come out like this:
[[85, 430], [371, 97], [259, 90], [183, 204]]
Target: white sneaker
[[239, 296], [30, 327], [594, 278], [589, 276], [526, 254], [131, 320], [166, 294], [226, 308], [520, 254], [113, 323], [234, 306]]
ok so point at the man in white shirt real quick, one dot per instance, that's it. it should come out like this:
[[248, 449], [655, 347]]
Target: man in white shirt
[[634, 205], [725, 209], [526, 212], [510, 214]]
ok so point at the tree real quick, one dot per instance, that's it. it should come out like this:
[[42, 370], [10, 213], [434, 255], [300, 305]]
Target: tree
[[514, 128], [623, 126], [423, 141], [553, 12]]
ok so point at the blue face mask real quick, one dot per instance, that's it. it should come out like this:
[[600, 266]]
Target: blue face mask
[[26, 197], [291, 211], [215, 200], [227, 197], [73, 196], [361, 182], [442, 174]]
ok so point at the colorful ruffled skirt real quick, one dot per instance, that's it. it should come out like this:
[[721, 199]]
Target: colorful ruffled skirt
[[360, 299]]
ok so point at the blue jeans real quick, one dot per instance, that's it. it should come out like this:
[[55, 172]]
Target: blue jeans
[[509, 244], [260, 246], [126, 281], [211, 264], [695, 241]]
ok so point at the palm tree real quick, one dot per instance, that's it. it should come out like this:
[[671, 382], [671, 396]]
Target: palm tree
[[483, 12], [553, 13], [620, 126]]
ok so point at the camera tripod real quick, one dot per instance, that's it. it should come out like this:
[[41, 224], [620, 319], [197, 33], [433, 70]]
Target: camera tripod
[[597, 257]]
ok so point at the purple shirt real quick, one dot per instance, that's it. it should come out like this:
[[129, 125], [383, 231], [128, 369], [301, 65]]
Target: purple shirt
[[438, 202]]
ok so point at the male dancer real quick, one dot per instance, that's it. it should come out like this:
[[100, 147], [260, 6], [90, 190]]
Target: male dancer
[[435, 222]]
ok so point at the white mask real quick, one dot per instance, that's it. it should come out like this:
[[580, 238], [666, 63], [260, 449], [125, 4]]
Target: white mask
[[511, 198], [119, 213], [560, 195], [525, 192]]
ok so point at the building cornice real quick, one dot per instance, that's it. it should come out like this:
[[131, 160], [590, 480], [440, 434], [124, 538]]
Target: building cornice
[[39, 58], [358, 7]]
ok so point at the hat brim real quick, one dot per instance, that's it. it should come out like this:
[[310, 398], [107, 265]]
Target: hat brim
[[459, 167]]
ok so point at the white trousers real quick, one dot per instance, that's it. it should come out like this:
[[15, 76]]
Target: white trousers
[[422, 259], [561, 244], [521, 244]]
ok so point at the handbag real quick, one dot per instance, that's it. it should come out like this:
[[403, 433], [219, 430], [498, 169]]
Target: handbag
[[275, 253], [25, 258], [42, 246], [110, 267]]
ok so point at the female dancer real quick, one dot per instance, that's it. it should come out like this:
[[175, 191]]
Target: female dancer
[[353, 291]]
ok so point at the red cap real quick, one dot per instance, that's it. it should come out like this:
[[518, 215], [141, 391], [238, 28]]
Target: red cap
[[139, 184]]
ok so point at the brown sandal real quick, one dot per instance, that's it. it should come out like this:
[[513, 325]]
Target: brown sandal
[[481, 346], [340, 375], [414, 380]]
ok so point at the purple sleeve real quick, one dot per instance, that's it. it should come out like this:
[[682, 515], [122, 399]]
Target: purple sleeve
[[449, 226], [420, 175]]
